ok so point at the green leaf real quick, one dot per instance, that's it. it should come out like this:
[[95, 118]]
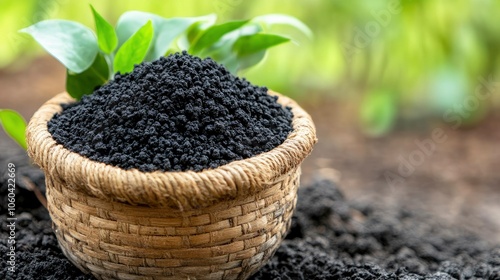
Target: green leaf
[[106, 35], [165, 30], [191, 35], [131, 21], [196, 29], [235, 64], [213, 34], [224, 47], [134, 50], [84, 83], [273, 19], [14, 125], [231, 64], [247, 51], [222, 50], [250, 60], [73, 44], [378, 113], [247, 45]]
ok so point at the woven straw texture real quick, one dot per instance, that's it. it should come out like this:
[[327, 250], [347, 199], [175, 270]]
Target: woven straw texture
[[222, 223]]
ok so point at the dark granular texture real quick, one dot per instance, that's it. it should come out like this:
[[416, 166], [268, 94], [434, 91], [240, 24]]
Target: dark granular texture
[[330, 238], [174, 114], [333, 238]]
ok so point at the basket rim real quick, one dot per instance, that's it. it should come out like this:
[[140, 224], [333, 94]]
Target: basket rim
[[182, 190]]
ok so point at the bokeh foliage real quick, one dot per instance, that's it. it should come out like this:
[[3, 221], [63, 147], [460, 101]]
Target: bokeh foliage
[[426, 57]]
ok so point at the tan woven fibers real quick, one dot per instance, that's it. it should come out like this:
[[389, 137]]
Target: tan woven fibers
[[222, 223]]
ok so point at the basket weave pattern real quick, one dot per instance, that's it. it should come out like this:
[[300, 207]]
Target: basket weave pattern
[[223, 223], [228, 240]]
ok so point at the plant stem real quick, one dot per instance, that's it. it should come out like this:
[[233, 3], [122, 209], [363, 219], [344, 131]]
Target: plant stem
[[109, 60]]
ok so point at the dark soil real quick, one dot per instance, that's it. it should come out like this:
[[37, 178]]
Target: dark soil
[[175, 114], [331, 238], [458, 183]]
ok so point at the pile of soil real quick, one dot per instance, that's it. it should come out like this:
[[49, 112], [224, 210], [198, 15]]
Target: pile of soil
[[330, 238], [177, 113]]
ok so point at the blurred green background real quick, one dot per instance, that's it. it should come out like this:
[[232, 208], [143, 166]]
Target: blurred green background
[[400, 60]]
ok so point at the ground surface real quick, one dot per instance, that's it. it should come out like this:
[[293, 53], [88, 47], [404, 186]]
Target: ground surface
[[458, 181], [446, 211], [331, 238]]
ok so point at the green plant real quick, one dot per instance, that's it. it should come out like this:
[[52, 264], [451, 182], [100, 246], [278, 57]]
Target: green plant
[[92, 59], [14, 125]]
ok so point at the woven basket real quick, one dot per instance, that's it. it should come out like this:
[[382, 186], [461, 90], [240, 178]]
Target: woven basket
[[223, 223]]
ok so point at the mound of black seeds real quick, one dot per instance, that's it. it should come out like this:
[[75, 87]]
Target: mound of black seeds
[[174, 114]]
